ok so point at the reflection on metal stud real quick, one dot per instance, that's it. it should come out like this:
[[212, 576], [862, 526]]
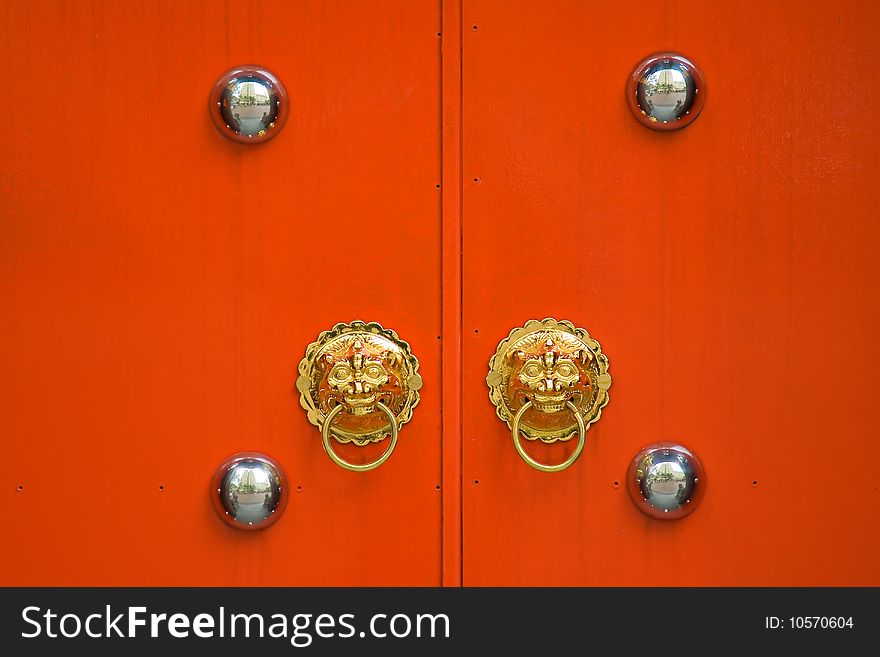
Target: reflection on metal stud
[[666, 480], [249, 104], [249, 491], [666, 92]]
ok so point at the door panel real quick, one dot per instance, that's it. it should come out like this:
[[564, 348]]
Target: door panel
[[728, 271], [160, 284]]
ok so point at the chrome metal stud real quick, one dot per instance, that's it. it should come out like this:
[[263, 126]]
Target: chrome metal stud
[[249, 105], [249, 491], [666, 480], [666, 92]]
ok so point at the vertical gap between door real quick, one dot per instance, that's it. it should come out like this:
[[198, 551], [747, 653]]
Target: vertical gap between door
[[451, 291]]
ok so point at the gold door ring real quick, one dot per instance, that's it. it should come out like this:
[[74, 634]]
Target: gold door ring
[[338, 460], [548, 380], [582, 439], [359, 383]]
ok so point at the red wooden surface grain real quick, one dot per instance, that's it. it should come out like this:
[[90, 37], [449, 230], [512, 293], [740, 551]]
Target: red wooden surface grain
[[728, 270], [160, 283]]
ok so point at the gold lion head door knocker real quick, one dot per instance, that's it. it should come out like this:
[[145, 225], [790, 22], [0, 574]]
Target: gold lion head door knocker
[[359, 384], [549, 381]]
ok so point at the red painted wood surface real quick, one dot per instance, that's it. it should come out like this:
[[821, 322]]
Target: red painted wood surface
[[729, 272], [159, 285]]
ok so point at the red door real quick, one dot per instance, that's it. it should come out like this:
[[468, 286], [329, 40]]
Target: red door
[[449, 170], [727, 269], [160, 284]]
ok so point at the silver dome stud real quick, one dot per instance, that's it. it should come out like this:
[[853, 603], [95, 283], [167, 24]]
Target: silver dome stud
[[249, 491], [249, 105], [666, 480], [666, 92]]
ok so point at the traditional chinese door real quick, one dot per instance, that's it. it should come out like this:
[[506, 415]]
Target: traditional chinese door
[[728, 270], [449, 171], [160, 284]]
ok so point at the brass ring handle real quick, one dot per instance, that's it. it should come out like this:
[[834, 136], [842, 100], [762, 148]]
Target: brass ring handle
[[582, 439], [349, 368], [548, 366], [325, 434]]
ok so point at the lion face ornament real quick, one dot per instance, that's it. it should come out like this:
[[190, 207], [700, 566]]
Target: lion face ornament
[[549, 381], [357, 378], [549, 377]]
